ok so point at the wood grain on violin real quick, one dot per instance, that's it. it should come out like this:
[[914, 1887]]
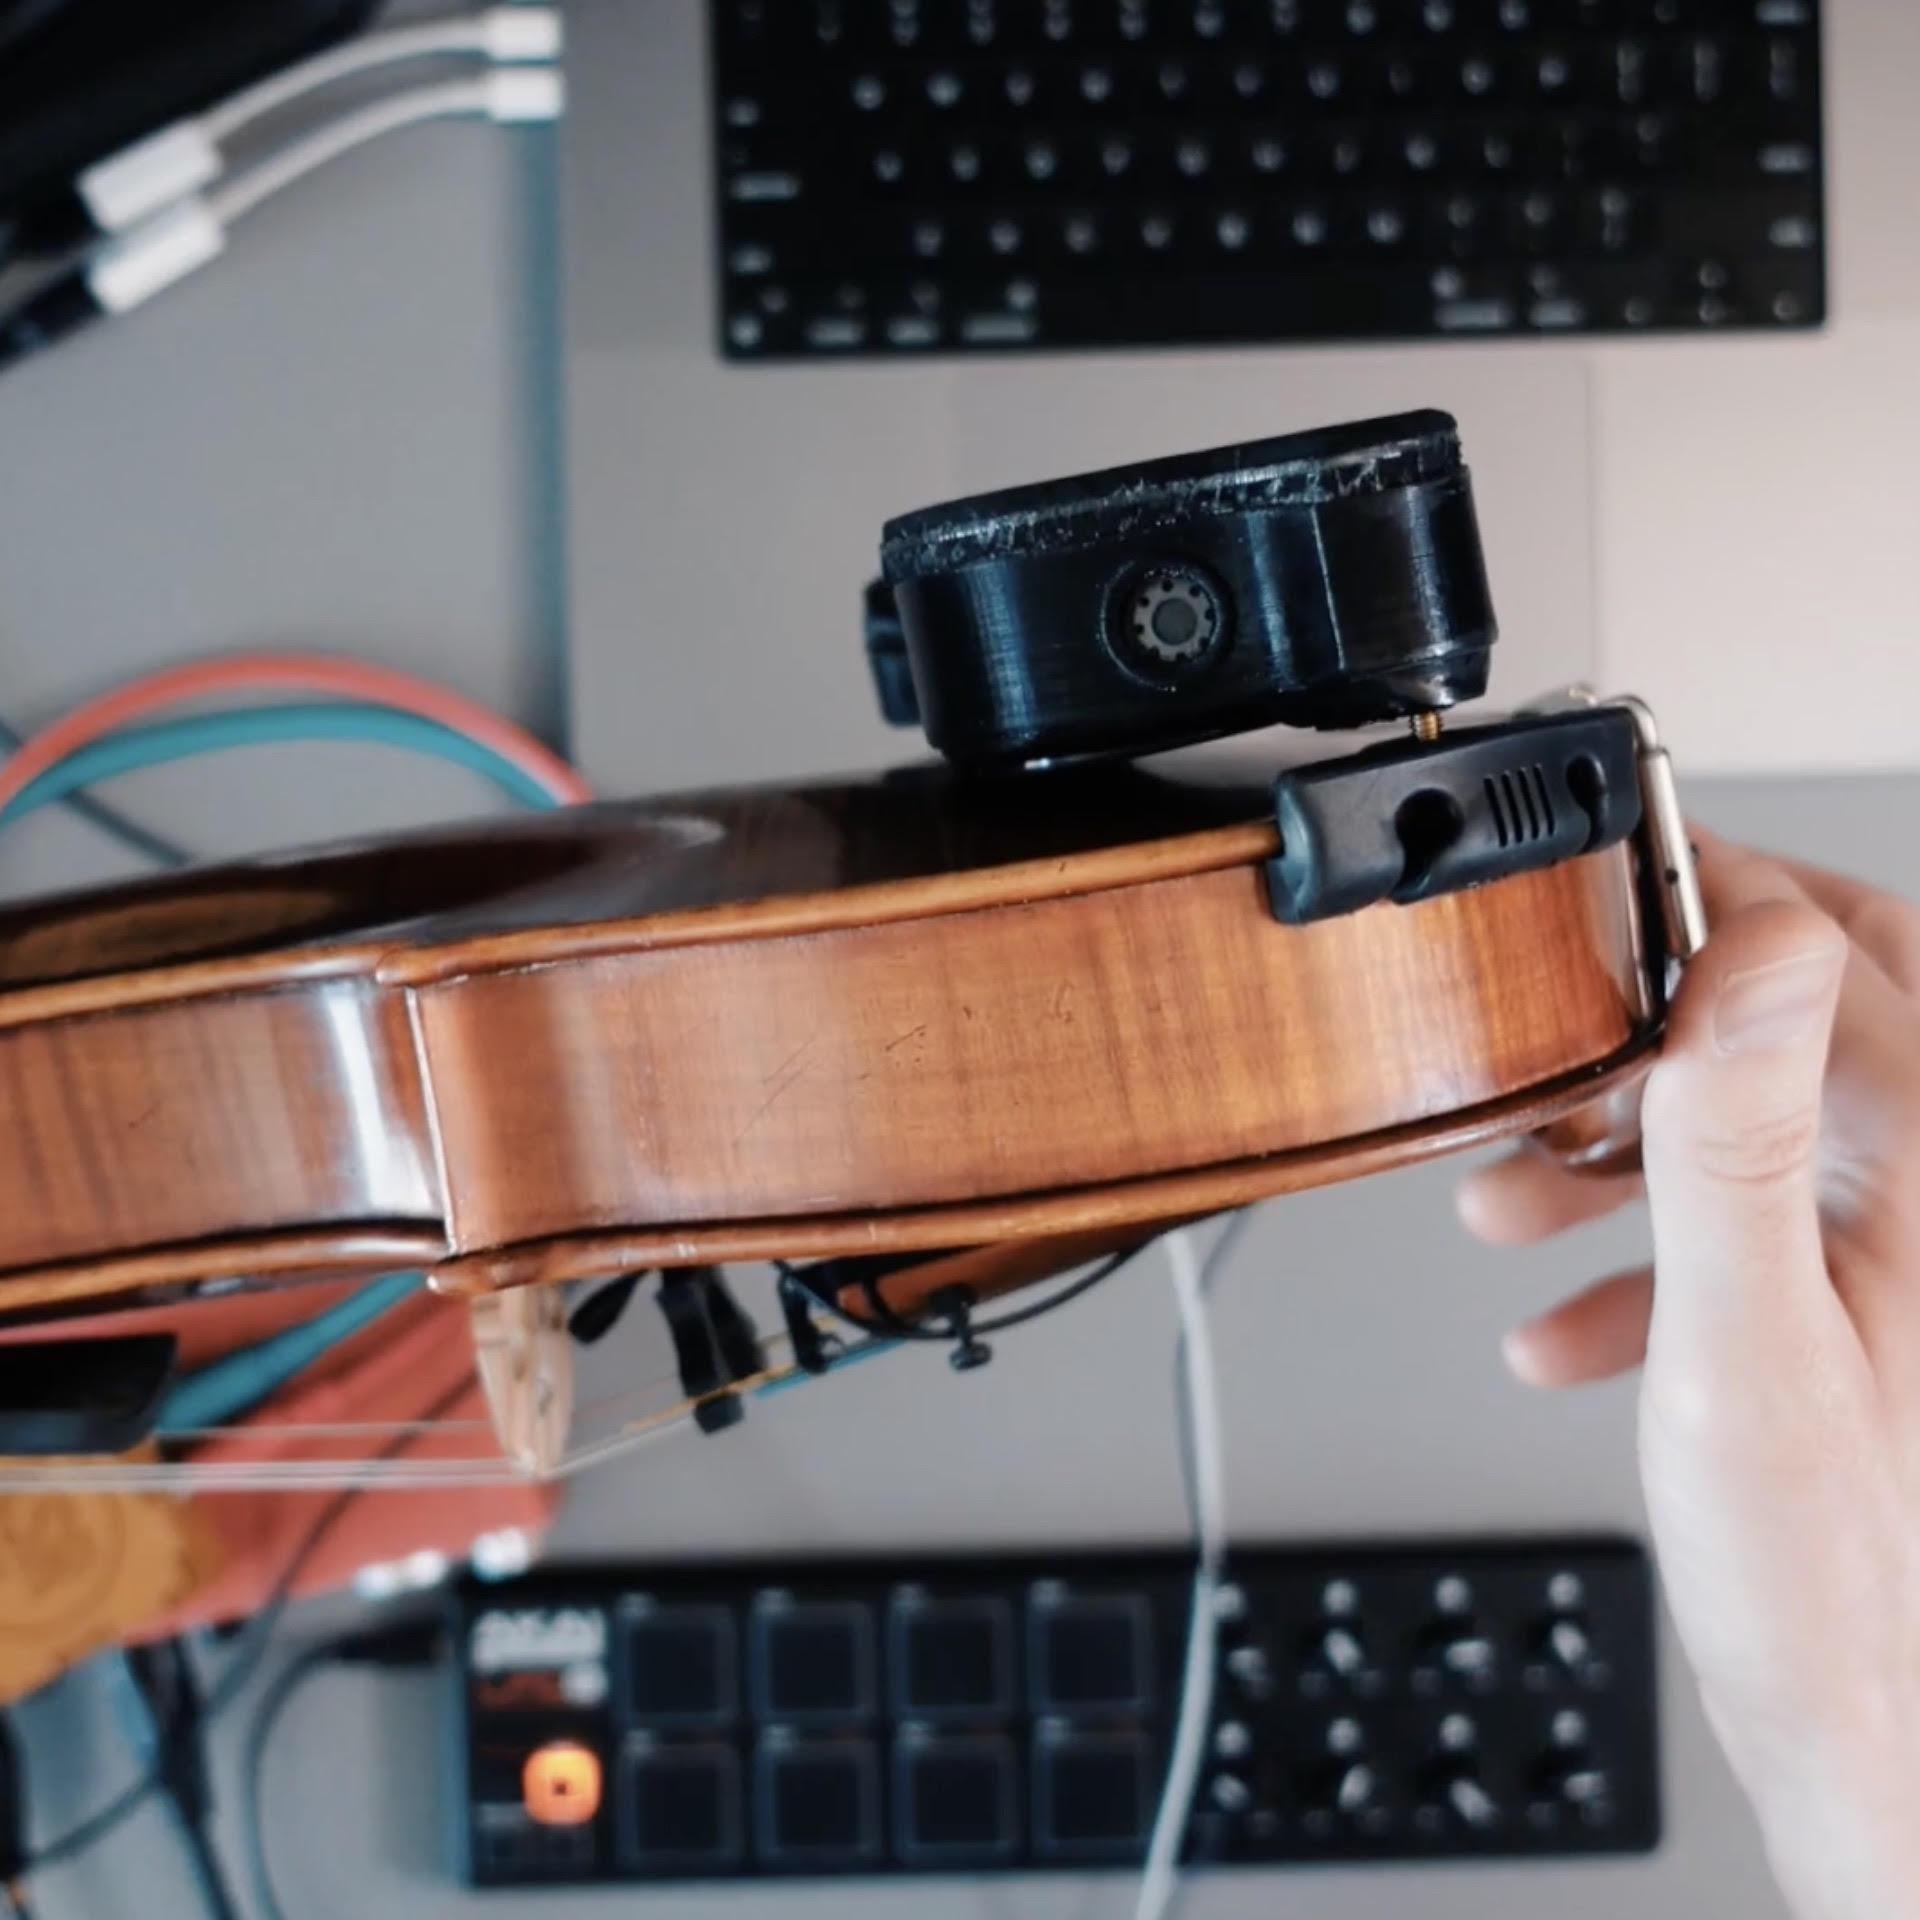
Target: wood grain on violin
[[921, 1011]]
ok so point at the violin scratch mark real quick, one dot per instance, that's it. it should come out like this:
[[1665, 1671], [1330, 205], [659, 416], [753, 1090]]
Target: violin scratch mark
[[141, 1118], [779, 1084], [912, 1033]]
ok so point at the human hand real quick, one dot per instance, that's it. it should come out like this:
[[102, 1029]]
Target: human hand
[[1780, 1398]]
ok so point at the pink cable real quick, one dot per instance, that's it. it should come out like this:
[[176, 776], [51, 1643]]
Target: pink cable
[[288, 672]]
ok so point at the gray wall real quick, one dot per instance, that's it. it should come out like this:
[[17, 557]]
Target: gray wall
[[341, 436]]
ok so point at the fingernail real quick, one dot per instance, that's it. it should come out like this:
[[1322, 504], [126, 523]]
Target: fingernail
[[1766, 1008], [1516, 1349]]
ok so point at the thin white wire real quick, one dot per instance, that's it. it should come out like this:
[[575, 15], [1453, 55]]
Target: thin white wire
[[387, 48], [297, 1476], [445, 100], [1204, 1452]]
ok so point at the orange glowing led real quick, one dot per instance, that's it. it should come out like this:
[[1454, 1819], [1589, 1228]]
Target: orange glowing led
[[560, 1784]]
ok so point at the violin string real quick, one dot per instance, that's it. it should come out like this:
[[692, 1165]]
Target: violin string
[[255, 1637]]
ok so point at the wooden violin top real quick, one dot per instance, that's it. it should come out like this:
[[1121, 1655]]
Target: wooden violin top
[[553, 874]]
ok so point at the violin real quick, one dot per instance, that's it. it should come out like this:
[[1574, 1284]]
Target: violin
[[964, 1023]]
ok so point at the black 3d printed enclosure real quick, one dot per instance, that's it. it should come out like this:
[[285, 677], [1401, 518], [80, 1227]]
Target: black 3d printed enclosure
[[1331, 579]]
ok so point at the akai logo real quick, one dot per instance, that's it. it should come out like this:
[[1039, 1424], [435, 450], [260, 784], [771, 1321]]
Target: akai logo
[[505, 1639]]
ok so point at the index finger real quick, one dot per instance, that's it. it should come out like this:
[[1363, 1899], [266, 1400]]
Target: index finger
[[1884, 927]]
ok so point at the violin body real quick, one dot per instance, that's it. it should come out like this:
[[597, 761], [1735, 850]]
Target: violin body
[[924, 1011]]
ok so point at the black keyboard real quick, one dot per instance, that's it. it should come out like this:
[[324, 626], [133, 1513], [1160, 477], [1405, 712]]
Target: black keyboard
[[1373, 1701], [913, 176]]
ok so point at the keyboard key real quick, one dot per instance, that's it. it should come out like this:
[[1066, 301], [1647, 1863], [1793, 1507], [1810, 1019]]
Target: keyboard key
[[1421, 150], [1267, 154], [1325, 79], [1552, 72], [757, 188], [1406, 80], [1705, 70], [1608, 221], [838, 331], [1458, 226], [999, 329], [1386, 223], [1786, 72], [1537, 221], [1342, 154], [1474, 316], [1080, 233], [1480, 76]]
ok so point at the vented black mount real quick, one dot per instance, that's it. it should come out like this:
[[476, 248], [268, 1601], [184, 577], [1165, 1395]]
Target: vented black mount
[[1330, 580], [1416, 819]]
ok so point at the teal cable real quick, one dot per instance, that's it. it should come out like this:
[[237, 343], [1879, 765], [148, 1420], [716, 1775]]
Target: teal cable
[[170, 740], [228, 1387]]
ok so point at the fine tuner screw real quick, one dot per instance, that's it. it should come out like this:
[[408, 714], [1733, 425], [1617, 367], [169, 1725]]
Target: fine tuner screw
[[1426, 725]]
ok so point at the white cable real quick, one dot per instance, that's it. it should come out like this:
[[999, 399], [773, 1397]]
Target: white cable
[[501, 33], [1204, 1453], [184, 156], [133, 266], [512, 94]]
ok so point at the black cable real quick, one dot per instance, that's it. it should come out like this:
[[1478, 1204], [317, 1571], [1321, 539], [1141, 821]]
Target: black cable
[[208, 1873], [56, 312], [408, 1644], [886, 1321], [243, 1665], [96, 1826], [273, 1703], [130, 833], [25, 17], [169, 1690]]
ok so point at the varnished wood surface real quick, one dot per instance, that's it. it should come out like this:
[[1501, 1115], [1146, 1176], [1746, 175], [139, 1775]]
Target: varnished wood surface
[[862, 1014], [290, 1108], [1085, 1216], [1070, 1042]]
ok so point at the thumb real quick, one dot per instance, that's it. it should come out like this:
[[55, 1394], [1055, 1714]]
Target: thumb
[[1731, 1126]]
